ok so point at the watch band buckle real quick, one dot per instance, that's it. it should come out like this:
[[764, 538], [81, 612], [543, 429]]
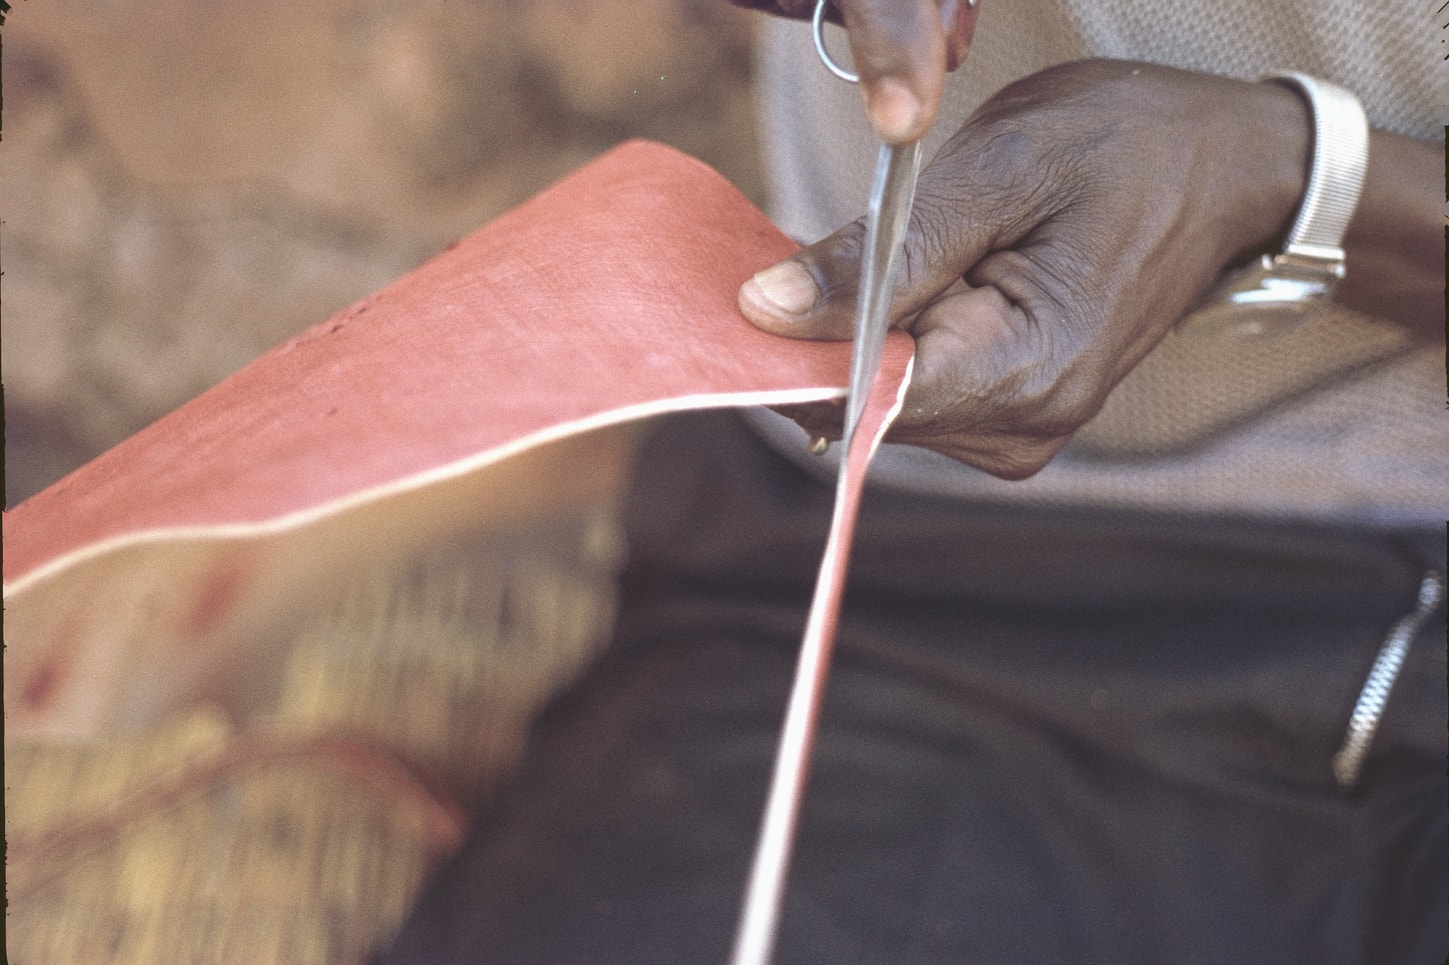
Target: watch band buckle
[[1320, 261]]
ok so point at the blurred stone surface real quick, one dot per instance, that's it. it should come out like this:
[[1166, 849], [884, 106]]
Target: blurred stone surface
[[187, 183]]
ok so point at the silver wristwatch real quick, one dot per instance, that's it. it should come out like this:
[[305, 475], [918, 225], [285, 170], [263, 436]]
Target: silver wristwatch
[[1279, 292]]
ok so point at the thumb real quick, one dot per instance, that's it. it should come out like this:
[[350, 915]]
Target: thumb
[[812, 294]]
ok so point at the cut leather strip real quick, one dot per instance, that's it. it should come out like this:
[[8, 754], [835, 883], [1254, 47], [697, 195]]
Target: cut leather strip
[[469, 391], [765, 891]]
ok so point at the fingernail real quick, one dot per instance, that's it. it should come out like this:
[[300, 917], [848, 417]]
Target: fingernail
[[895, 110], [787, 287]]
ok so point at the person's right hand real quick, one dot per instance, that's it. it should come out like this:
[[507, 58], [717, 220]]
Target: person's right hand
[[902, 50]]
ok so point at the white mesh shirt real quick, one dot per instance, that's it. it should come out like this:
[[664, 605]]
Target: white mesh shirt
[[1340, 421]]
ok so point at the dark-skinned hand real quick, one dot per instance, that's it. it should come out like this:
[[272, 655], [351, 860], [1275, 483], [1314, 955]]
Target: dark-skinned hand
[[902, 50], [1055, 239]]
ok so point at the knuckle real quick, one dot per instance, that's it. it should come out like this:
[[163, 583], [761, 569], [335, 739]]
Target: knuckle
[[1008, 457], [1014, 467], [1052, 404]]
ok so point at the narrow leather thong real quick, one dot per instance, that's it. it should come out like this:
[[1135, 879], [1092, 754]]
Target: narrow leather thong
[[468, 392]]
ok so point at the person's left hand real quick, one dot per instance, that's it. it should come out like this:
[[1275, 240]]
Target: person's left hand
[[1054, 241]]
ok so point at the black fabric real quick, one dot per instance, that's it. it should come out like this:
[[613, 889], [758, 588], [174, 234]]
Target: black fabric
[[1049, 737]]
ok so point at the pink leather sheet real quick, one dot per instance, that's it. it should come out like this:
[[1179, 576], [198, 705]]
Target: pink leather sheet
[[477, 385]]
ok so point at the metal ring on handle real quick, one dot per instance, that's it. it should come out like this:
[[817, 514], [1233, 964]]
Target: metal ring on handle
[[818, 23]]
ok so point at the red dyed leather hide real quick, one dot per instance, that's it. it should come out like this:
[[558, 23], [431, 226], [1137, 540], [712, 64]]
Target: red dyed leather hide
[[471, 388]]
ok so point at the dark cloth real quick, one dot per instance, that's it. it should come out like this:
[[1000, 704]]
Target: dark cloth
[[1049, 737]]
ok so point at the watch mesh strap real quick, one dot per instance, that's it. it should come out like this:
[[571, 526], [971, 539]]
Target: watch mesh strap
[[1340, 162]]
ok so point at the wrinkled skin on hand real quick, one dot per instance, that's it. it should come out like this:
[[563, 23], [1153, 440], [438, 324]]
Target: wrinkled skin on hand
[[1055, 239]]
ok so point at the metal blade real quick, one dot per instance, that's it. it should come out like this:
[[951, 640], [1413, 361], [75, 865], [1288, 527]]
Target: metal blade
[[891, 195], [890, 209]]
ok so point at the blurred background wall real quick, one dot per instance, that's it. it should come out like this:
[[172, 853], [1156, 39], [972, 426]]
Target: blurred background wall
[[186, 183]]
